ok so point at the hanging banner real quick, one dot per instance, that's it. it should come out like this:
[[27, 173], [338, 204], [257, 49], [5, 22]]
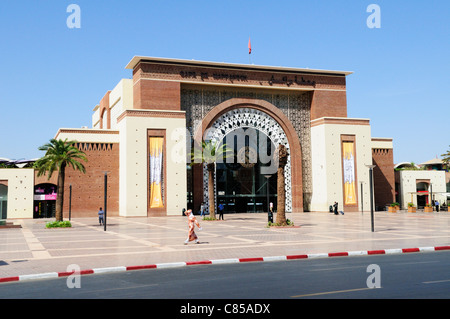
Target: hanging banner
[[349, 174], [156, 165]]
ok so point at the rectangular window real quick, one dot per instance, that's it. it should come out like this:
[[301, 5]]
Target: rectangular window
[[156, 172], [349, 173]]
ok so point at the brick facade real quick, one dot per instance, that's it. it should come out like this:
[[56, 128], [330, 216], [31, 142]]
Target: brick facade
[[105, 112], [156, 95], [88, 188], [293, 97], [383, 177], [328, 104]]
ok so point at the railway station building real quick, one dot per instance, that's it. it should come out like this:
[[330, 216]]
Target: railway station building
[[144, 129]]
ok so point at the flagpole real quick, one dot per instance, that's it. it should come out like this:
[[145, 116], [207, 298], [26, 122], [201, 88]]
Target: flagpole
[[249, 51]]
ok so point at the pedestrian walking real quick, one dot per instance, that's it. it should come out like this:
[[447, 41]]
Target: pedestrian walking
[[101, 213], [270, 215], [192, 222], [437, 205], [221, 211], [202, 209], [335, 207]]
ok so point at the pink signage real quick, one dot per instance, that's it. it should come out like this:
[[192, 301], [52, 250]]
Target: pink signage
[[45, 197], [50, 196]]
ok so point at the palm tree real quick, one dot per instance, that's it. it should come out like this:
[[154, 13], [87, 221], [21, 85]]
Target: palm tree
[[58, 155], [446, 159], [208, 153], [281, 156]]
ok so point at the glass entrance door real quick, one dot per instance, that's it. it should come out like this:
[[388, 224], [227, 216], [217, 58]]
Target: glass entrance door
[[44, 209], [240, 181], [44, 201], [3, 201]]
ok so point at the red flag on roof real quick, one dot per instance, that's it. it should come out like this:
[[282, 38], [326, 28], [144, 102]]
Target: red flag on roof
[[249, 46]]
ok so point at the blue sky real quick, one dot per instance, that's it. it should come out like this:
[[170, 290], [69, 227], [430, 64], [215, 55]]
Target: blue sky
[[53, 76]]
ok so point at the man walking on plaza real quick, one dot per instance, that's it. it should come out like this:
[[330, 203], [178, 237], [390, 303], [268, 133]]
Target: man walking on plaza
[[221, 211], [101, 213]]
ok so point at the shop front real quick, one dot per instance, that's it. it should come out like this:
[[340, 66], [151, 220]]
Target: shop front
[[44, 201], [3, 201]]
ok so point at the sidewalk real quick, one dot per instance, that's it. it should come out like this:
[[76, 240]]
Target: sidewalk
[[134, 242]]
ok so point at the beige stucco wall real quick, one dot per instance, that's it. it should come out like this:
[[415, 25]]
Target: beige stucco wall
[[408, 184], [20, 191], [88, 135], [326, 155], [120, 99], [96, 117], [382, 143], [133, 163]]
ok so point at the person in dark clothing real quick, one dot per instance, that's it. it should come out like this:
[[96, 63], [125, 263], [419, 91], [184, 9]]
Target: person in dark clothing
[[101, 213], [335, 208], [221, 211]]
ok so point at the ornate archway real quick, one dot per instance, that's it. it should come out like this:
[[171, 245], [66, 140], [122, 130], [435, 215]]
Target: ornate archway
[[239, 118], [267, 118]]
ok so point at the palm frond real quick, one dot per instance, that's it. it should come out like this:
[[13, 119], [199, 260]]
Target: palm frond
[[59, 153], [209, 152]]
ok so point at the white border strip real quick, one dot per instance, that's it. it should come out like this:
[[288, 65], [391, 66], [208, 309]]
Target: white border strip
[[108, 270], [46, 275], [228, 261]]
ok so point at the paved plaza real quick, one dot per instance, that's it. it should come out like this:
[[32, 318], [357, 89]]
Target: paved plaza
[[33, 249]]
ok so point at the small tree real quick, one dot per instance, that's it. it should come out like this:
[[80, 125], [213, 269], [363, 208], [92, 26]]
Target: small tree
[[58, 155], [208, 153]]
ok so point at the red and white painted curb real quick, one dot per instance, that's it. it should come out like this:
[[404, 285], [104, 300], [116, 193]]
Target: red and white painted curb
[[223, 261]]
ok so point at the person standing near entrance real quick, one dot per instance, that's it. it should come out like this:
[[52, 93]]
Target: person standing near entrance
[[192, 221], [221, 211], [270, 214], [335, 207], [101, 213], [202, 209], [437, 205]]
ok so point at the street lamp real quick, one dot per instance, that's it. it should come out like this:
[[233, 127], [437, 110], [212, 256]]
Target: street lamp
[[105, 199], [362, 200], [70, 201], [431, 196], [269, 213], [371, 191]]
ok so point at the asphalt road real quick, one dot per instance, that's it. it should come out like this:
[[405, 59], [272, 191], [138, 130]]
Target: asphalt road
[[404, 276]]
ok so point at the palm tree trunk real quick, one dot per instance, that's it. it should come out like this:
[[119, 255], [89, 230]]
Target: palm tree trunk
[[212, 206], [281, 198], [282, 155], [60, 194]]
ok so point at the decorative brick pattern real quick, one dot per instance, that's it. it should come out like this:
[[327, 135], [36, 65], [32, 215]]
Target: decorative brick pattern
[[88, 188], [384, 177], [239, 77], [250, 118], [198, 101]]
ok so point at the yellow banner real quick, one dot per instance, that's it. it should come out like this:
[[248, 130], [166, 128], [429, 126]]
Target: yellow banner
[[156, 152], [349, 174]]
